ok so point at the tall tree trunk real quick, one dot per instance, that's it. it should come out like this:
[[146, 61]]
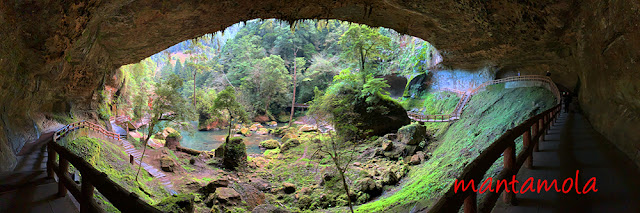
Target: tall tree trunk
[[346, 188], [229, 134], [364, 75], [146, 140], [293, 100], [194, 88]]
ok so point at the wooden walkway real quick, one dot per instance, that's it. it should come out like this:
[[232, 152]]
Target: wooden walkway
[[27, 188], [466, 96]]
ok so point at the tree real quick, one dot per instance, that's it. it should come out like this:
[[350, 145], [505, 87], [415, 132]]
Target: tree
[[225, 103], [361, 44], [167, 105], [268, 83], [295, 75], [198, 62]]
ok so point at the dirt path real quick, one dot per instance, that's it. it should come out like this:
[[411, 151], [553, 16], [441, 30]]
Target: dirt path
[[304, 155]]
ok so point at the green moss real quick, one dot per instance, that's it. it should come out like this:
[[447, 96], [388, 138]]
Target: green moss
[[488, 114], [177, 203], [109, 158]]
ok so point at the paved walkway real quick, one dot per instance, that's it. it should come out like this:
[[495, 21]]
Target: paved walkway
[[572, 145], [27, 188]]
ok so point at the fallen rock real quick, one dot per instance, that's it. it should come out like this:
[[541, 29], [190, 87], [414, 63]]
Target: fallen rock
[[289, 188], [412, 134], [389, 178], [227, 195], [308, 128], [167, 164], [251, 195], [273, 123], [260, 184], [387, 146], [415, 160], [368, 185], [262, 131], [177, 203], [290, 144], [270, 144], [288, 136], [245, 132]]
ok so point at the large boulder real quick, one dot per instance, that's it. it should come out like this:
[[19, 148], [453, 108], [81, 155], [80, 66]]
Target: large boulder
[[213, 185], [389, 178], [412, 134], [368, 185], [289, 144], [261, 184], [270, 144], [251, 195], [227, 195], [167, 164], [233, 153]]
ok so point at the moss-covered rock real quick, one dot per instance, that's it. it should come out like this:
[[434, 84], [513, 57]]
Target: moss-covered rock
[[233, 153], [290, 144], [412, 134], [245, 132], [288, 136], [177, 203], [86, 148], [270, 144]]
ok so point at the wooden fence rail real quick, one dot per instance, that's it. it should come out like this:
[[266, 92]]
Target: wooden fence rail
[[455, 115], [532, 130], [119, 197]]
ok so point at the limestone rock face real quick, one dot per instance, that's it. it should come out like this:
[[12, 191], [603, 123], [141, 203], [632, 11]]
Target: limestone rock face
[[56, 56]]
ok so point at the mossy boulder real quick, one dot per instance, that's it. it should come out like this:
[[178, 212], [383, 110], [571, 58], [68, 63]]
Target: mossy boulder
[[167, 164], [412, 134], [270, 144], [290, 144], [233, 153], [288, 136], [177, 203], [245, 132]]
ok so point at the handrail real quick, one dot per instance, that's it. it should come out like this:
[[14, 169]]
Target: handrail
[[532, 131], [119, 197], [455, 115]]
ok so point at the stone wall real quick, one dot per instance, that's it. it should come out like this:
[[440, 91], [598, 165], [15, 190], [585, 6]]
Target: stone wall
[[461, 79]]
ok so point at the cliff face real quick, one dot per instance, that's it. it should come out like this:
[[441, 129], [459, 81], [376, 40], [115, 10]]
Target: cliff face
[[55, 56]]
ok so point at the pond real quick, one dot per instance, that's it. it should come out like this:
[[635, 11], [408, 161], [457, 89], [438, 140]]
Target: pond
[[208, 140]]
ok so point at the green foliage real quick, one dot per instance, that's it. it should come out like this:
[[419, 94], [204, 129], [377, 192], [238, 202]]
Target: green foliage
[[268, 83], [364, 44], [225, 103], [177, 203]]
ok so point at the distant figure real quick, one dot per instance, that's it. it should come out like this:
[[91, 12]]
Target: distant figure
[[567, 101], [518, 73], [548, 73]]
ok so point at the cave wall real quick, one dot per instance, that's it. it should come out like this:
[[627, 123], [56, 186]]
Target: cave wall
[[56, 55], [461, 79], [606, 62]]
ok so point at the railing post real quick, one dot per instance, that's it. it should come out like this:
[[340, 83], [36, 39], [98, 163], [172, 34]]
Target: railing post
[[64, 173], [470, 203], [86, 189], [509, 165], [534, 134], [526, 143], [541, 129], [51, 159]]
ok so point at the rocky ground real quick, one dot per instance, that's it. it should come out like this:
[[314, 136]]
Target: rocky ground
[[291, 175]]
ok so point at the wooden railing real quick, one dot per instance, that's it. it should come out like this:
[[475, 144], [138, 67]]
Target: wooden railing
[[119, 197], [532, 131], [455, 115]]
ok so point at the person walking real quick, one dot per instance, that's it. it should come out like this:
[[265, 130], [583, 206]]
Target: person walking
[[567, 101]]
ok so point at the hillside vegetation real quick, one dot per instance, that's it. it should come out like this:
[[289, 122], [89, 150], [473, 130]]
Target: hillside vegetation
[[486, 117]]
